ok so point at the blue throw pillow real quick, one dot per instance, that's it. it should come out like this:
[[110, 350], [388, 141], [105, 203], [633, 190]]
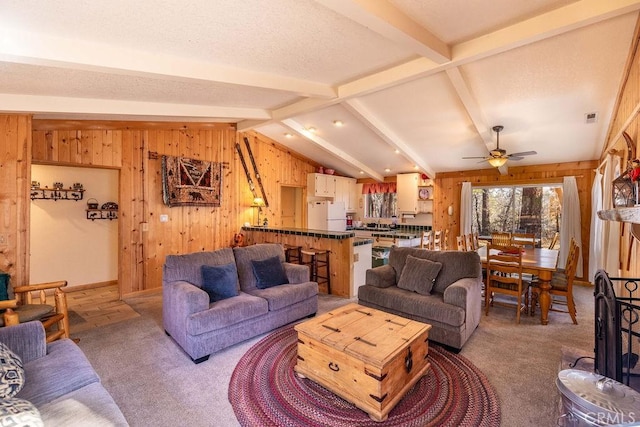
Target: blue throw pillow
[[269, 272], [220, 281]]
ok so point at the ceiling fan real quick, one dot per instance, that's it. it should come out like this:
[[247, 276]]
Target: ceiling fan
[[498, 157]]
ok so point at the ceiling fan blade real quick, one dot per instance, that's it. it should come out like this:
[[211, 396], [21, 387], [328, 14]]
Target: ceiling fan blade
[[523, 153], [515, 158], [477, 157]]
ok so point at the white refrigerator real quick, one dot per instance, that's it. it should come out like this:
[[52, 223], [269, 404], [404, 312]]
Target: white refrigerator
[[324, 215]]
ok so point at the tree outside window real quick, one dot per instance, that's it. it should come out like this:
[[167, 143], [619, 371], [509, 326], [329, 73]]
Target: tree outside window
[[518, 209], [380, 205]]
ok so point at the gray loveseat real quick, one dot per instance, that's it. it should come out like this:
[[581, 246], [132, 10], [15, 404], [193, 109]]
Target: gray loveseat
[[59, 380], [453, 305], [202, 327]]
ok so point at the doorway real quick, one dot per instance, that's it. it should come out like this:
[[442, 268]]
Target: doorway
[[291, 207], [65, 242]]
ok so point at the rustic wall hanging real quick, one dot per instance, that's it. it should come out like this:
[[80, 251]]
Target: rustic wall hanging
[[190, 182]]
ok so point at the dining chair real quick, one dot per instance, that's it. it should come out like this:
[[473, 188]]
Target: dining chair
[[500, 239], [22, 308], [426, 242], [445, 240], [504, 276], [525, 240], [561, 286], [468, 242], [437, 240], [460, 243], [476, 241]]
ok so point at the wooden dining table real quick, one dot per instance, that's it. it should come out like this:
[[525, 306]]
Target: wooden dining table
[[541, 262]]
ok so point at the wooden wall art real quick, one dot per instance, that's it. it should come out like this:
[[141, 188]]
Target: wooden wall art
[[190, 182]]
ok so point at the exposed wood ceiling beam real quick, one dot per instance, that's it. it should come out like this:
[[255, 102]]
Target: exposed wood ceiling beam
[[55, 104], [45, 50], [330, 148], [386, 20], [473, 110], [381, 129], [558, 21], [568, 18], [471, 106]]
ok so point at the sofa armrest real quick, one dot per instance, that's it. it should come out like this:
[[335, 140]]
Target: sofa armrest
[[185, 299], [463, 292], [296, 273], [383, 276], [27, 340]]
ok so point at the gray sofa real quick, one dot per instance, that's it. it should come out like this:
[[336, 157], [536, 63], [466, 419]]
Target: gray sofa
[[59, 380], [453, 305], [202, 327]]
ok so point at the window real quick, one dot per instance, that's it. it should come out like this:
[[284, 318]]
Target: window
[[380, 199], [518, 209], [380, 205]]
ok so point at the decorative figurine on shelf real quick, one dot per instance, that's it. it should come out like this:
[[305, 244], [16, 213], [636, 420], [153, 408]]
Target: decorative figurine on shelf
[[635, 170], [634, 174], [265, 223]]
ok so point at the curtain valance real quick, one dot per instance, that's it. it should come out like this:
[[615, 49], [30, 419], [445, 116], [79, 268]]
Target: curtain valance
[[379, 187]]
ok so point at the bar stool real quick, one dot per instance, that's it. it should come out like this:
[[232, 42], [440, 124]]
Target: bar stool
[[318, 259], [293, 254]]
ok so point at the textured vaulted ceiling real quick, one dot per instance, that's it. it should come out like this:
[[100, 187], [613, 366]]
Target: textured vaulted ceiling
[[417, 83]]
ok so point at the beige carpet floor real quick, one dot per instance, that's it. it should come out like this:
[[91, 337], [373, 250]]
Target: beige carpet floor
[[155, 383]]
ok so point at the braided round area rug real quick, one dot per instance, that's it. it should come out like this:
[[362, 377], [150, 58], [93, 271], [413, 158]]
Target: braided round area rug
[[265, 391]]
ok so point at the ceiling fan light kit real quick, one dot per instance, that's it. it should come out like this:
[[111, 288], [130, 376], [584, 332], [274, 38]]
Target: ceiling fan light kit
[[497, 161]]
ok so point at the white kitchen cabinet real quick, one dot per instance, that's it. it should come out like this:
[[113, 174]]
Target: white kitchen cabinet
[[321, 185], [414, 195], [407, 192], [362, 263], [346, 191]]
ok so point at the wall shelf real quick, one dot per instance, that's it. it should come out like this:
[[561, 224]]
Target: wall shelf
[[56, 194], [630, 214], [109, 214]]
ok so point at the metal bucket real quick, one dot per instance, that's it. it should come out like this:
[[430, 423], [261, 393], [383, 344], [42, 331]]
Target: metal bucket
[[590, 399]]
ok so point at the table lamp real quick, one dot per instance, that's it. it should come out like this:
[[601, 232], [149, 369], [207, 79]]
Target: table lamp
[[258, 202]]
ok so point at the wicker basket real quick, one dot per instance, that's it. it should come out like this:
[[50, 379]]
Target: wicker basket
[[92, 204]]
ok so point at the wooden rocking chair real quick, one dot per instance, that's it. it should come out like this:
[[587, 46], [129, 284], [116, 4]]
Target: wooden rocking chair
[[55, 318]]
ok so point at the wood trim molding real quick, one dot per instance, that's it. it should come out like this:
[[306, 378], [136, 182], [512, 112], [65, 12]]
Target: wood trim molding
[[44, 125]]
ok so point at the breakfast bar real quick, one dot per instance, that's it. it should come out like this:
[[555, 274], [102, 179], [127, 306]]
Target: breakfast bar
[[349, 257]]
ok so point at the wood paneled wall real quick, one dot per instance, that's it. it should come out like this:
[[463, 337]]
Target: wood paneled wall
[[625, 118], [15, 178], [136, 150], [447, 188]]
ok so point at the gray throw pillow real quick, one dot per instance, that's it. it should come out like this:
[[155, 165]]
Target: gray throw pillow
[[220, 281], [418, 275], [269, 272]]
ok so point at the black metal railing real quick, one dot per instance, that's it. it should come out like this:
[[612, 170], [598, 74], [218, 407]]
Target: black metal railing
[[617, 326]]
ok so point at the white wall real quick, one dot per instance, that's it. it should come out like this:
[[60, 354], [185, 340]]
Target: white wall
[[65, 245]]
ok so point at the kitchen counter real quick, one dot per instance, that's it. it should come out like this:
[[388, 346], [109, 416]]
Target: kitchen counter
[[401, 236], [342, 247], [303, 232], [359, 241]]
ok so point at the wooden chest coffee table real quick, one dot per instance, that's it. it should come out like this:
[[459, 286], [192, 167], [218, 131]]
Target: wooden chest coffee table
[[366, 356]]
